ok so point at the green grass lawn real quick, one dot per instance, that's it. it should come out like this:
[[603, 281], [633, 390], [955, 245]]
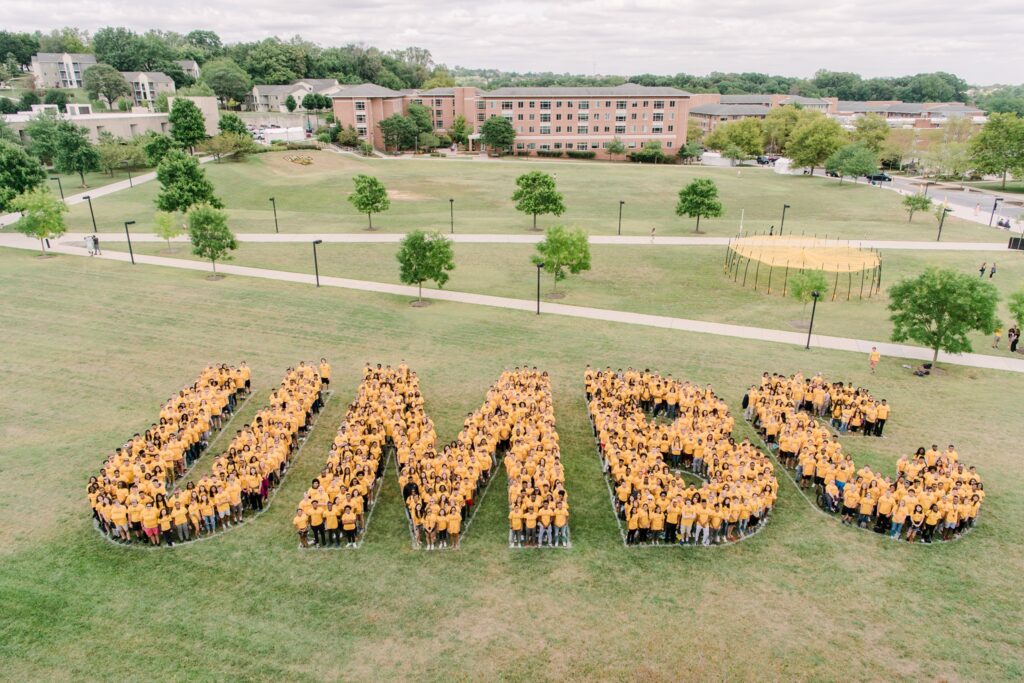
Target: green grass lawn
[[1014, 186], [72, 184], [673, 281], [85, 366], [313, 199]]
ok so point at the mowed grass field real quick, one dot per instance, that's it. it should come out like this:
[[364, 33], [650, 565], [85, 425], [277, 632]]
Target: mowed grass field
[[313, 199], [85, 366], [660, 280]]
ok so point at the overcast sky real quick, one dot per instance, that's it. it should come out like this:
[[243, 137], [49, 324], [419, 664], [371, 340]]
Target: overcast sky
[[980, 40]]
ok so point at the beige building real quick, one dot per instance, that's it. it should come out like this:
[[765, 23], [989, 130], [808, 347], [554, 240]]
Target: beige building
[[120, 125], [146, 85], [208, 106], [60, 70], [272, 98], [189, 66]]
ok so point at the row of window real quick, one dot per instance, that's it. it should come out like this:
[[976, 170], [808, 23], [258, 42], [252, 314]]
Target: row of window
[[581, 104], [585, 130], [580, 146]]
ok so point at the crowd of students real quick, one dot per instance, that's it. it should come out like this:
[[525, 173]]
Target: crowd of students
[[134, 498], [933, 493], [642, 458]]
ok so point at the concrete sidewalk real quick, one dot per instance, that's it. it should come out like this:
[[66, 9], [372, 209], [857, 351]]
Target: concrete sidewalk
[[630, 240], [862, 346]]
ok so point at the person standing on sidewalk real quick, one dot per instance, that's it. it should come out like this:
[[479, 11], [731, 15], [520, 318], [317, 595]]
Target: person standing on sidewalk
[[874, 358]]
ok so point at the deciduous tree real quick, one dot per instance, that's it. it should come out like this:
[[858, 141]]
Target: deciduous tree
[[425, 256], [855, 159], [42, 215], [916, 202], [369, 197], [563, 252], [103, 81], [211, 238], [19, 173], [497, 133], [999, 147], [813, 140], [75, 152], [536, 194], [183, 183], [699, 200], [188, 126]]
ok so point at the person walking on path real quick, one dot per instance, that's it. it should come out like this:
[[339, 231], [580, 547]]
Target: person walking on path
[[96, 245], [997, 337], [874, 358], [653, 230], [992, 271], [1013, 337], [981, 271]]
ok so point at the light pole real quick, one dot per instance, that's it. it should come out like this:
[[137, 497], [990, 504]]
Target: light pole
[[316, 266], [273, 202], [129, 236], [451, 207], [130, 183], [60, 186], [783, 223], [995, 205], [539, 267], [91, 214], [942, 219], [621, 203], [814, 306], [926, 184]]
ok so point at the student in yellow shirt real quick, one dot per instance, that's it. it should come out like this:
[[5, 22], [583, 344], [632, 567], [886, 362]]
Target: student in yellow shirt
[[515, 523], [561, 524], [349, 526], [454, 526], [916, 523], [331, 523], [873, 359], [301, 523], [151, 523]]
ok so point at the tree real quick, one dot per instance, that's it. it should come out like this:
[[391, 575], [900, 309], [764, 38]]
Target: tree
[[42, 215], [420, 116], [348, 136], [369, 197], [536, 194], [19, 173], [28, 98], [778, 126], [746, 135], [365, 148], [228, 80], [232, 123], [310, 102], [441, 78], [649, 153], [999, 147], [188, 127], [460, 130], [615, 147], [689, 152], [803, 284], [872, 130], [398, 132], [234, 144], [813, 140], [948, 159], [75, 153], [425, 256], [940, 307], [167, 226], [497, 133], [290, 103], [561, 251], [183, 184], [916, 202], [103, 81], [694, 133], [156, 147], [1016, 306], [699, 199], [57, 97], [855, 159], [428, 141], [210, 235], [42, 136]]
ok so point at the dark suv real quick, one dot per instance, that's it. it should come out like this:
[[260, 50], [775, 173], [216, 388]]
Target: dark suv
[[879, 177]]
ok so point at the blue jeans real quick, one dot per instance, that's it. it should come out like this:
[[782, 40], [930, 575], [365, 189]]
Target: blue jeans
[[544, 532], [210, 522], [897, 527]]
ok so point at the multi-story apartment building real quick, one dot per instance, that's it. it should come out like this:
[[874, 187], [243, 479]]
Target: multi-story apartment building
[[60, 69], [272, 98], [189, 66], [146, 85], [554, 118]]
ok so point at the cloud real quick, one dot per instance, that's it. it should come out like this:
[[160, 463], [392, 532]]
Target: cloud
[[980, 42]]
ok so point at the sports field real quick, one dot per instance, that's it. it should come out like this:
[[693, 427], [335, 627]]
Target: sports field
[[313, 199], [85, 366]]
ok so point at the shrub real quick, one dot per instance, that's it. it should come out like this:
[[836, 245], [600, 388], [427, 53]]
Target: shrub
[[549, 153], [581, 154]]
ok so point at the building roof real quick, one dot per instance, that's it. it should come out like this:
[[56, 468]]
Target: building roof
[[860, 107], [367, 90], [906, 108], [437, 91], [746, 99], [955, 108], [730, 110], [187, 63], [799, 99], [624, 90], [59, 56], [318, 84], [154, 76], [275, 89]]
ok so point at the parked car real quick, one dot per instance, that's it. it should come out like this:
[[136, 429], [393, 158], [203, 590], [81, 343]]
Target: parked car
[[831, 174], [879, 177]]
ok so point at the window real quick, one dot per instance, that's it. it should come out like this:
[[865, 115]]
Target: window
[[568, 117], [418, 101], [360, 106], [520, 104], [558, 117], [531, 129], [533, 116], [606, 129], [568, 129], [657, 130], [519, 117], [671, 103], [492, 105], [635, 103], [438, 113], [506, 104], [558, 103], [668, 144], [558, 129], [619, 130], [645, 103], [520, 145], [480, 116], [643, 129], [632, 145], [360, 118], [620, 104], [607, 104], [633, 116], [558, 145], [361, 131], [659, 104], [545, 117], [583, 104], [620, 117], [658, 116], [642, 116], [670, 128], [480, 104], [438, 102], [632, 129], [533, 104], [569, 104], [594, 145], [545, 145], [607, 116], [520, 129], [581, 146], [582, 130], [583, 117], [604, 145], [532, 145], [545, 130], [545, 104]]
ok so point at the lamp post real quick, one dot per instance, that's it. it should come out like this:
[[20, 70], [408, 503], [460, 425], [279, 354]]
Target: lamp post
[[783, 223], [451, 207], [130, 183], [60, 186], [316, 265], [621, 204], [927, 183], [129, 236], [539, 267], [814, 306], [995, 205], [942, 219], [91, 214], [273, 203]]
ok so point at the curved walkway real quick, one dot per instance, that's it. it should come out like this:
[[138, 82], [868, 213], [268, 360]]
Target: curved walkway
[[482, 238], [862, 346]]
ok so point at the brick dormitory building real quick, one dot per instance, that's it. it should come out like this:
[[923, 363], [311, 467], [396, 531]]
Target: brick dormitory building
[[553, 118]]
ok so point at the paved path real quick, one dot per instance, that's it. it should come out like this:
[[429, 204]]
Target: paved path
[[739, 331], [395, 237]]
